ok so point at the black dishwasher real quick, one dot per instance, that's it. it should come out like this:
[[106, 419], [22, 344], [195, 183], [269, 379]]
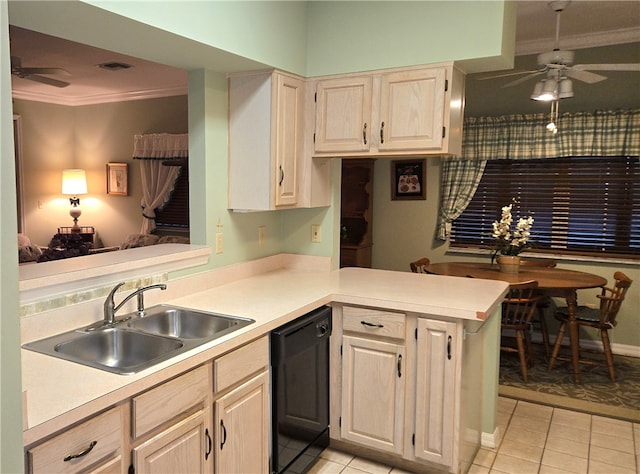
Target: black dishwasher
[[300, 391]]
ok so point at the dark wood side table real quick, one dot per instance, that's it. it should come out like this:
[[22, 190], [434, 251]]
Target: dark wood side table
[[87, 233]]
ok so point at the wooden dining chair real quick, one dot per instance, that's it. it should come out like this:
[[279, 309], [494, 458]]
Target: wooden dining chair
[[419, 266], [517, 310], [544, 302], [603, 319]]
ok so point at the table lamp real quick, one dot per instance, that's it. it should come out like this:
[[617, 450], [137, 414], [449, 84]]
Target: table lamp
[[74, 182]]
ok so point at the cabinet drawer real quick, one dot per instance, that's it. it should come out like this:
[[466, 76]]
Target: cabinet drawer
[[104, 432], [373, 322], [169, 400], [241, 363]]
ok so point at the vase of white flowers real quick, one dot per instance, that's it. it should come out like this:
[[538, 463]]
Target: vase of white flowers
[[509, 244]]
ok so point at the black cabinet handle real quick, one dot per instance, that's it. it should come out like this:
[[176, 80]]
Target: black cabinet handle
[[382, 132], [399, 365], [449, 348], [209, 444], [364, 323], [223, 434], [281, 176], [364, 133], [81, 453]]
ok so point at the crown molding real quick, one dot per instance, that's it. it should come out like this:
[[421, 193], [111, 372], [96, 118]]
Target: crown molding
[[602, 38], [101, 98]]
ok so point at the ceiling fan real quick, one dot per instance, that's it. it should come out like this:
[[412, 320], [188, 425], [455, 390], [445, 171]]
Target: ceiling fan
[[558, 64], [34, 73]]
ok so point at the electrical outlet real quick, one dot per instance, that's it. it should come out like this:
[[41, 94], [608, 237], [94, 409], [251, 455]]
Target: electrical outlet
[[261, 232], [219, 242], [315, 234]]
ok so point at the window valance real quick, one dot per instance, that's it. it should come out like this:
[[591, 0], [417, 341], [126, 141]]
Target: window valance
[[161, 146], [524, 136], [521, 137]]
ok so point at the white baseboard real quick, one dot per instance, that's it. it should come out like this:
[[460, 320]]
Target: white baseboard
[[619, 349], [490, 440]]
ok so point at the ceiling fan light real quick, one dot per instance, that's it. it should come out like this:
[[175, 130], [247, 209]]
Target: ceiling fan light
[[549, 90], [545, 90], [537, 90], [565, 89]]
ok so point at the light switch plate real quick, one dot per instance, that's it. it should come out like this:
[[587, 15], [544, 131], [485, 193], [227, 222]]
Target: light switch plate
[[219, 242], [316, 236]]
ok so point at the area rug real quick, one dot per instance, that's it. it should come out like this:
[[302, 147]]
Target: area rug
[[596, 394]]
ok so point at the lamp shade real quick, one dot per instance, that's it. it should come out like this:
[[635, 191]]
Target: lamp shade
[[74, 182]]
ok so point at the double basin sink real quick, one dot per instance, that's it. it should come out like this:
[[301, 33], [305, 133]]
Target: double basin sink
[[136, 343]]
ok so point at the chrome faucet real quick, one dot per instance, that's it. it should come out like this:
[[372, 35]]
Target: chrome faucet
[[110, 307]]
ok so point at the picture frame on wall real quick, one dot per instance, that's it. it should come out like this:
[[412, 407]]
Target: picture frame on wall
[[118, 179], [408, 180]]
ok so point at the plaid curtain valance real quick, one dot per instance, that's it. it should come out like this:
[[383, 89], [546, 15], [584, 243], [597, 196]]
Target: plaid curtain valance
[[521, 137], [517, 137]]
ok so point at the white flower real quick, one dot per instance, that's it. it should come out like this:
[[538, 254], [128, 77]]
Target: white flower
[[506, 242]]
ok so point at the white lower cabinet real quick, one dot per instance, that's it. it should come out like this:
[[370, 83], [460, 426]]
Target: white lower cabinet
[[242, 424], [241, 410], [435, 391], [95, 445], [398, 387], [171, 425], [373, 393], [184, 447]]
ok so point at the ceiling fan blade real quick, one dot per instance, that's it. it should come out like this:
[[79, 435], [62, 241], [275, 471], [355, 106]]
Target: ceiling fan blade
[[507, 74], [522, 79], [608, 67], [584, 76], [44, 70], [46, 80]]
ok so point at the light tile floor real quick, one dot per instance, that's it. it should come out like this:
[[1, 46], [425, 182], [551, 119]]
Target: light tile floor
[[536, 439]]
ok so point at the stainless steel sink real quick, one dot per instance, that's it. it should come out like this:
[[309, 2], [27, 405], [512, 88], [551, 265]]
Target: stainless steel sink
[[119, 349], [186, 323], [137, 343]]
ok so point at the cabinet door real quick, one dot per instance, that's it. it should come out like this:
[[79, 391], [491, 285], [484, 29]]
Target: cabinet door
[[435, 391], [288, 129], [373, 385], [242, 426], [184, 447], [343, 114], [412, 109]]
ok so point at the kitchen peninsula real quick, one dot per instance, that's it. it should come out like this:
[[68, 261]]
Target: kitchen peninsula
[[272, 291]]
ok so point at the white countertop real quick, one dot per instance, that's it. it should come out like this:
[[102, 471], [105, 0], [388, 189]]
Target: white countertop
[[58, 392]]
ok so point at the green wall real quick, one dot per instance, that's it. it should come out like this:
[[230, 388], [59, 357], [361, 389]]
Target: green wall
[[359, 36], [10, 382]]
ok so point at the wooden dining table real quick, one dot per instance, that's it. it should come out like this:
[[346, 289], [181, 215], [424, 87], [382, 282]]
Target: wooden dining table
[[556, 282]]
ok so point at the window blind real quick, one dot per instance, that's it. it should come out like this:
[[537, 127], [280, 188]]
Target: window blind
[[175, 214], [581, 205]]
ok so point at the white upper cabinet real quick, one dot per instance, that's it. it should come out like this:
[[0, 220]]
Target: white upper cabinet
[[270, 166], [265, 140], [409, 111], [412, 110], [343, 114]]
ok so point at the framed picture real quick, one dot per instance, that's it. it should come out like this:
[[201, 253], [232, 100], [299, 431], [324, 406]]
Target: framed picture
[[408, 180], [117, 179]]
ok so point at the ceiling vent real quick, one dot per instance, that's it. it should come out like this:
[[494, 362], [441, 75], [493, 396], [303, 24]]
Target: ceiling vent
[[114, 66]]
